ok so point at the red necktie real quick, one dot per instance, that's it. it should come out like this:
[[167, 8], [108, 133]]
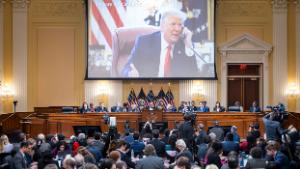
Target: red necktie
[[167, 66]]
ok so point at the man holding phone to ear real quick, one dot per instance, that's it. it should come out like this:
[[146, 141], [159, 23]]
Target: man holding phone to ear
[[166, 53]]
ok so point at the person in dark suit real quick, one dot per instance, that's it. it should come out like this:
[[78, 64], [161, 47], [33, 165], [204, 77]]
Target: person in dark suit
[[218, 107], [158, 144], [117, 108], [166, 53], [272, 127], [84, 108], [254, 107], [229, 145], [101, 108], [186, 130], [18, 161], [219, 131], [151, 160]]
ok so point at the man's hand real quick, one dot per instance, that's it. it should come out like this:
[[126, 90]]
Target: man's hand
[[133, 71], [187, 37]]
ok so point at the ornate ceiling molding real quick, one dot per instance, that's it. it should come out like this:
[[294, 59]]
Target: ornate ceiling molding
[[20, 4], [297, 2], [2, 2], [279, 4], [57, 9]]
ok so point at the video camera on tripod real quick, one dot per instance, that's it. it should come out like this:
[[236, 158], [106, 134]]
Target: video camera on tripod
[[279, 112]]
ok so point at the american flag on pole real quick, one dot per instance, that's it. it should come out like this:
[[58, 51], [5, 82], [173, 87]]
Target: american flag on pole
[[106, 15]]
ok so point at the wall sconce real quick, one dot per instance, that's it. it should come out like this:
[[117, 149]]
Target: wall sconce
[[292, 90], [198, 90], [6, 92], [102, 90]]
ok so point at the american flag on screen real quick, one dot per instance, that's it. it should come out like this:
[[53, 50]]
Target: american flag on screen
[[106, 15]]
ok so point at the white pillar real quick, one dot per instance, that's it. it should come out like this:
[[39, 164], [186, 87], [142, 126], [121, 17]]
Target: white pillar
[[1, 49], [280, 70], [20, 53], [298, 52]]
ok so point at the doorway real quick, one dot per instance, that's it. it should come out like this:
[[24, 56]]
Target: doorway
[[244, 84]]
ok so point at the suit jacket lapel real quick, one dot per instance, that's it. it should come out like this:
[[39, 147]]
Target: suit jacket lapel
[[156, 52]]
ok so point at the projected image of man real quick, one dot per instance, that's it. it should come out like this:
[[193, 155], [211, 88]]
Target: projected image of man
[[166, 53]]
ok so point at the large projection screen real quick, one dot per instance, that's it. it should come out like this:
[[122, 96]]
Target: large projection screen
[[150, 39]]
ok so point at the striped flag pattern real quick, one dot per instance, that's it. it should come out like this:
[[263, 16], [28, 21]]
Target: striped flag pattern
[[106, 15]]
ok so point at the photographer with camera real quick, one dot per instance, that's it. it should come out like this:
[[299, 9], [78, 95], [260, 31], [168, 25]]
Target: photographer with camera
[[272, 127]]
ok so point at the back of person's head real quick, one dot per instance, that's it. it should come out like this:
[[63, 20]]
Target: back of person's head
[[121, 165], [206, 139], [186, 117], [136, 136], [180, 143], [233, 160], [24, 144], [79, 160], [211, 166], [212, 136], [155, 133], [149, 150], [167, 132], [106, 164], [201, 126], [172, 140], [90, 166], [114, 155], [217, 147], [60, 137], [69, 162], [97, 135], [233, 129], [123, 143], [51, 166], [183, 162], [256, 152], [229, 136], [81, 136], [41, 136], [273, 145]]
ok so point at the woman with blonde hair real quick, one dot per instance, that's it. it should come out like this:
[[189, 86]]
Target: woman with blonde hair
[[5, 146]]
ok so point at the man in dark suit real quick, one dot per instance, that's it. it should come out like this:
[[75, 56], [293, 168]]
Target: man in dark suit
[[18, 161], [158, 144], [101, 108], [117, 108], [186, 130], [166, 53], [254, 107]]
